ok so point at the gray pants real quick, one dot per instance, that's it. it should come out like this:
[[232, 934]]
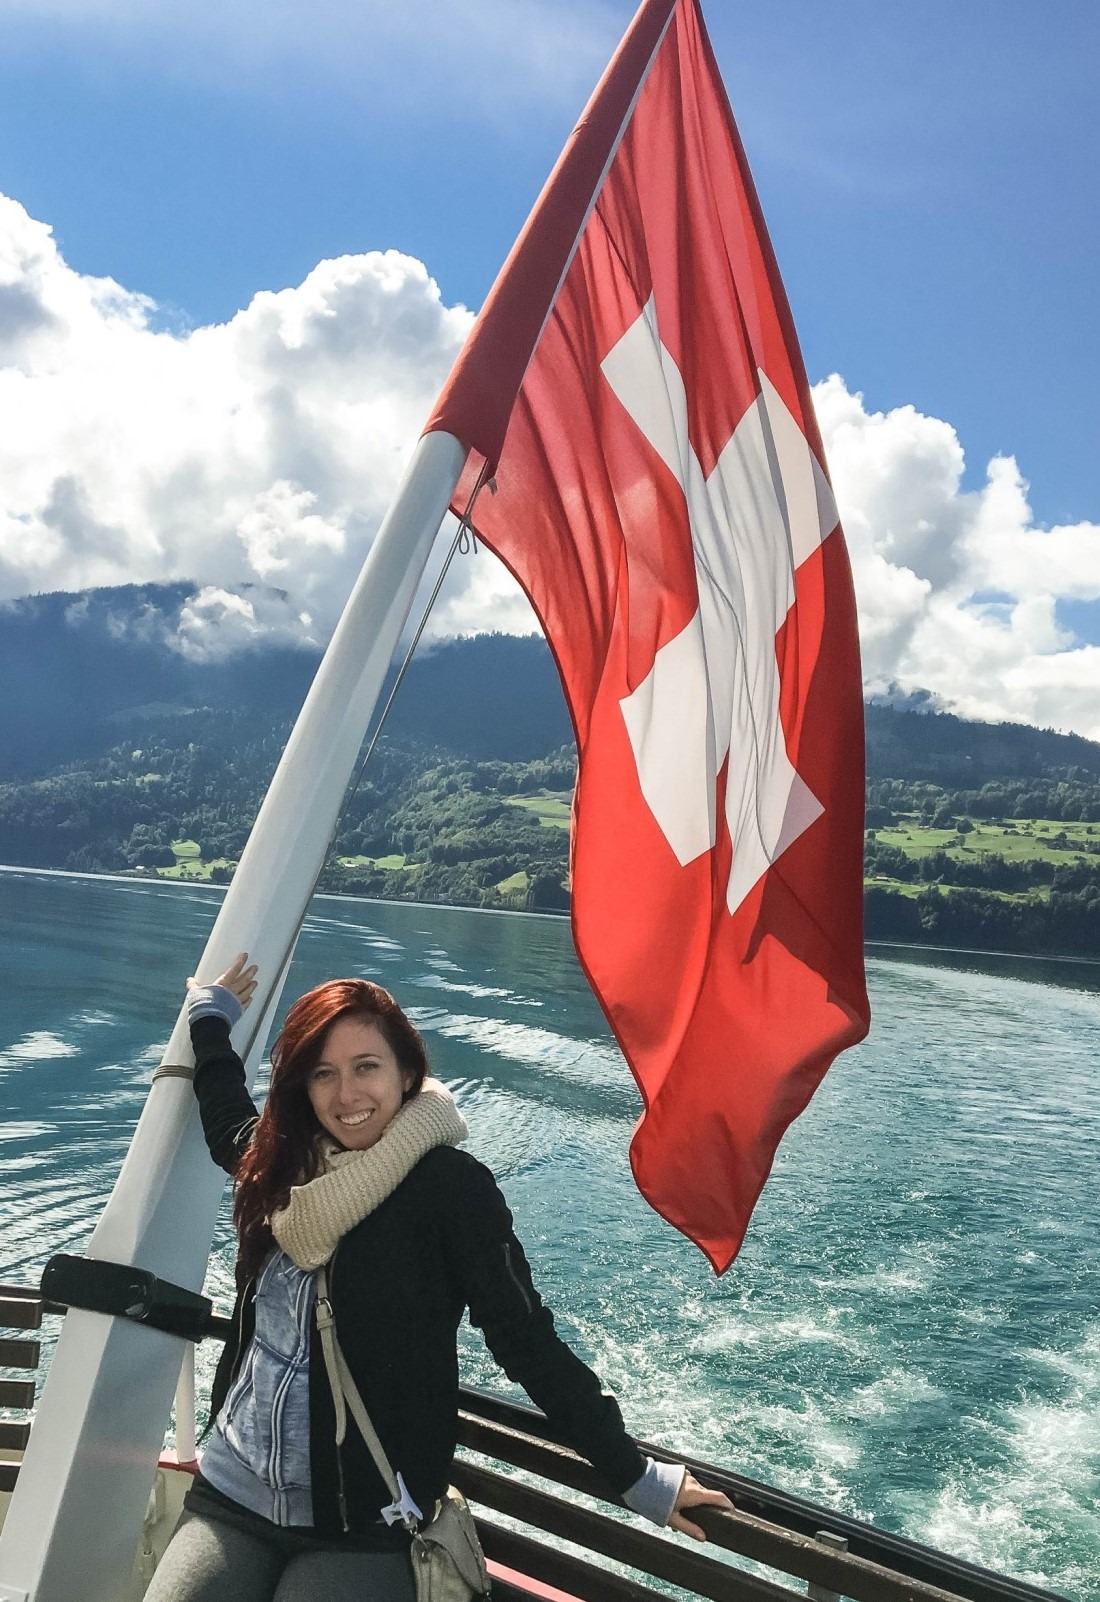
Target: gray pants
[[222, 1559]]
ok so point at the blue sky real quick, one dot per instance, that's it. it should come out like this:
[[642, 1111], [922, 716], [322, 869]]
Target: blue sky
[[928, 173]]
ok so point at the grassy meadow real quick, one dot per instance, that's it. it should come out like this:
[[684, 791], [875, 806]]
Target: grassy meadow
[[972, 840]]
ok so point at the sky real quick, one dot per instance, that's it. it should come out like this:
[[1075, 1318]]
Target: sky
[[240, 246]]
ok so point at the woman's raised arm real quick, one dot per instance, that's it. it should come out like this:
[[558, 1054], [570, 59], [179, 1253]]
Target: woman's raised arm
[[519, 1331], [227, 1111]]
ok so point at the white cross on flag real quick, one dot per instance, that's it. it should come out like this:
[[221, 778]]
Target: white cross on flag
[[635, 383]]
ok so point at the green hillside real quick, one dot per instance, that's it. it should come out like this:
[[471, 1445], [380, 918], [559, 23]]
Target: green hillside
[[977, 834]]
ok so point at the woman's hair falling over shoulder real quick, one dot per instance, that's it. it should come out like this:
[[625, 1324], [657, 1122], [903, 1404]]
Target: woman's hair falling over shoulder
[[284, 1149]]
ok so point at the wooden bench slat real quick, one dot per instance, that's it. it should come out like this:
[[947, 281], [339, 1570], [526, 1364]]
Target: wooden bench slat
[[16, 1393], [559, 1569], [20, 1312], [19, 1354], [750, 1536], [24, 1293], [9, 1473], [14, 1434], [694, 1571]]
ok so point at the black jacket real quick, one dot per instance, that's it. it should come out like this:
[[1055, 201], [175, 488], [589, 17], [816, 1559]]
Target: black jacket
[[400, 1282]]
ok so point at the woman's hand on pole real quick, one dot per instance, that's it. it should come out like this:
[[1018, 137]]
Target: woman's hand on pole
[[692, 1494], [239, 978]]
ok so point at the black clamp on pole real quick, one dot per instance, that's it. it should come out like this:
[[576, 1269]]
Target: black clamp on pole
[[122, 1291]]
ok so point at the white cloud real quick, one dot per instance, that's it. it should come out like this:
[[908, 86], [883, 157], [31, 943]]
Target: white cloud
[[480, 594], [216, 624], [256, 458], [260, 451], [958, 589]]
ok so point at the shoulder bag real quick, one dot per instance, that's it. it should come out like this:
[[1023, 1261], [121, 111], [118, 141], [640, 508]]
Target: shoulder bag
[[447, 1561]]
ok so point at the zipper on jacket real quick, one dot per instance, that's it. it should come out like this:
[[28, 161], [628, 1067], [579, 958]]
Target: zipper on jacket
[[514, 1277], [341, 1496], [239, 1358]]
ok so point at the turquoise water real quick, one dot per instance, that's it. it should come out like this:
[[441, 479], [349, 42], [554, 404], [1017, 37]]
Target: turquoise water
[[912, 1331]]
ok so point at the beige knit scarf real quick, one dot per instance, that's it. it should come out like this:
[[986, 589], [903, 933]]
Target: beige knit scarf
[[354, 1183]]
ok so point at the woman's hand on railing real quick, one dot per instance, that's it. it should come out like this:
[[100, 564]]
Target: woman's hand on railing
[[692, 1494]]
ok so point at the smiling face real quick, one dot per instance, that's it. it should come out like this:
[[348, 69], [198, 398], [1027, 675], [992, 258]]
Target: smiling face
[[357, 1084]]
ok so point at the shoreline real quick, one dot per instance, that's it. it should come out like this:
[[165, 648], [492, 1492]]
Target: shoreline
[[16, 868], [979, 951], [881, 948]]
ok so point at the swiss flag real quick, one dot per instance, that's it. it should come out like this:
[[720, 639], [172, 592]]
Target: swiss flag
[[635, 387]]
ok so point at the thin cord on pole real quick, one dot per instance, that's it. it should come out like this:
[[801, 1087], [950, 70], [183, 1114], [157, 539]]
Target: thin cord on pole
[[462, 533], [461, 542]]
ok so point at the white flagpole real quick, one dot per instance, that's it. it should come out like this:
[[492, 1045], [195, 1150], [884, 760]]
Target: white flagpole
[[73, 1525]]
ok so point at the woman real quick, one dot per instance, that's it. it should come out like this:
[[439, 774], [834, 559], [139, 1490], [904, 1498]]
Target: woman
[[354, 1163]]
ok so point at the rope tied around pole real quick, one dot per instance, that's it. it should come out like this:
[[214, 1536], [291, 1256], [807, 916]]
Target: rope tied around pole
[[174, 1070]]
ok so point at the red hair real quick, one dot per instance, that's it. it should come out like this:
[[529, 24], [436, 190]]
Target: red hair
[[284, 1149]]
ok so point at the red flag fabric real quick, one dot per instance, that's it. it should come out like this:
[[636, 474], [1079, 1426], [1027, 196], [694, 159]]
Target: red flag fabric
[[662, 498]]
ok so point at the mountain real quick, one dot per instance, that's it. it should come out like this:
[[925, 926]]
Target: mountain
[[80, 673], [117, 752], [83, 672], [959, 754]]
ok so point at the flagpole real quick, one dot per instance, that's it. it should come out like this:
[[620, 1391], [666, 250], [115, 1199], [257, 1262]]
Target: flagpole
[[73, 1525]]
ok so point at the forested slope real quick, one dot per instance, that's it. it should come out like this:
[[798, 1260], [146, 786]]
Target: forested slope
[[119, 754]]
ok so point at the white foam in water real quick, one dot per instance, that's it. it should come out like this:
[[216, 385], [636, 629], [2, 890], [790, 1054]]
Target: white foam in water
[[190, 895], [439, 959], [896, 1391], [435, 981], [364, 935], [880, 1281], [24, 1131], [1060, 1441], [1046, 1478], [41, 1046], [985, 1527], [468, 1092], [154, 1053], [593, 1062], [126, 1079], [428, 1019], [664, 1401], [514, 1134], [728, 1333]]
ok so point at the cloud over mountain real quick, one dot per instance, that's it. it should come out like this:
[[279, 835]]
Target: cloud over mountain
[[263, 449], [256, 458], [959, 590]]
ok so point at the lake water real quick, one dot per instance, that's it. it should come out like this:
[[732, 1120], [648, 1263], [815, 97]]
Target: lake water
[[912, 1331]]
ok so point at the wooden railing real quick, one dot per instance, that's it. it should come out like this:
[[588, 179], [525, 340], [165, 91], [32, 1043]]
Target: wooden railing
[[835, 1555], [828, 1554], [19, 1310]]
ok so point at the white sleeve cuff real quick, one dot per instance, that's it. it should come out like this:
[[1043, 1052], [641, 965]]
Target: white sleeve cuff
[[213, 1001], [654, 1495]]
